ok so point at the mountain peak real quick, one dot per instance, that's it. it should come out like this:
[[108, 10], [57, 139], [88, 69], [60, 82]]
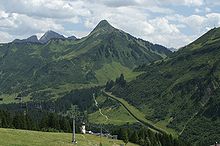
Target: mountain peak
[[102, 27], [103, 23], [49, 35], [33, 38]]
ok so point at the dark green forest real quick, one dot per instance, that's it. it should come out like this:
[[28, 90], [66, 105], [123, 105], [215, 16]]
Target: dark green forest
[[52, 122]]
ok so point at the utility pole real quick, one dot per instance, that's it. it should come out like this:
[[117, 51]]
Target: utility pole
[[73, 112], [74, 131]]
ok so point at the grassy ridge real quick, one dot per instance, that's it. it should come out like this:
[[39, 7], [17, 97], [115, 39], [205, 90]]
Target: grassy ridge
[[12, 137]]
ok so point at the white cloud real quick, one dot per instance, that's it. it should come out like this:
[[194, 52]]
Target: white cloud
[[213, 2], [181, 2], [213, 19], [3, 14], [163, 26], [194, 2], [20, 26], [117, 3], [170, 39], [152, 20], [46, 8], [196, 22], [129, 19], [197, 10], [196, 25], [29, 24], [207, 10], [7, 21], [5, 37], [156, 9]]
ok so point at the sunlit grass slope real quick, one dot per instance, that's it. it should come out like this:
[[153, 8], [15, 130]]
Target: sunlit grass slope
[[13, 137]]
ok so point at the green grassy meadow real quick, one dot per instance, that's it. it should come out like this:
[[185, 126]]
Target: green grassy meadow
[[116, 116], [113, 70], [14, 137], [116, 113]]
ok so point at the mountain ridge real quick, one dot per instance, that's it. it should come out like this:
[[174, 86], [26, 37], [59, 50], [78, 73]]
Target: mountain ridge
[[31, 39], [92, 60], [45, 38]]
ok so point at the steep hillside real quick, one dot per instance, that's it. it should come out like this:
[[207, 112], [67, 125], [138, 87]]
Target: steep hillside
[[183, 91], [62, 64]]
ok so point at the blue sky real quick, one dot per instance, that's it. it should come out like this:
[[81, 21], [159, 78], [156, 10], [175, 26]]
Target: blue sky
[[172, 23]]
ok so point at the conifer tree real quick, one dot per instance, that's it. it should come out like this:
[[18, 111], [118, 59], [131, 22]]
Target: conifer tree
[[44, 122], [53, 121], [120, 80], [19, 121], [109, 85], [65, 125], [134, 137], [30, 123], [125, 136]]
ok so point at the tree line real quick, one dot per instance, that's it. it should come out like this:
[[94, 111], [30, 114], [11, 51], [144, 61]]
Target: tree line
[[146, 137], [53, 122], [140, 135], [120, 81], [45, 122]]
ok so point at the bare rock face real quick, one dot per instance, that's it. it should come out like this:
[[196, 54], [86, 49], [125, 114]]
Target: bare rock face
[[49, 35]]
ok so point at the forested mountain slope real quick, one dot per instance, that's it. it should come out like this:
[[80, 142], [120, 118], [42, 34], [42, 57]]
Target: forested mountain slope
[[182, 91]]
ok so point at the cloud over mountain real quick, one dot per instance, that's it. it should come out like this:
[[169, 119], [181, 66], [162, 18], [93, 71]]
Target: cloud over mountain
[[162, 21]]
